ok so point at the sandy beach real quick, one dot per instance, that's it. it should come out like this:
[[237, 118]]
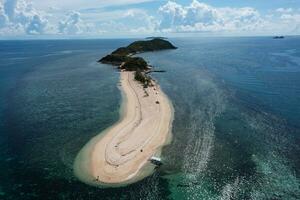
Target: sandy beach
[[120, 154]]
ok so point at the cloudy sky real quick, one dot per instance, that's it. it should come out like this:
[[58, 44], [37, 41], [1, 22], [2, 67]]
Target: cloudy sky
[[130, 18]]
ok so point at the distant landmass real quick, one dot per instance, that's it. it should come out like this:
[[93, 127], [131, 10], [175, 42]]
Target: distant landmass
[[123, 57], [278, 37], [150, 38]]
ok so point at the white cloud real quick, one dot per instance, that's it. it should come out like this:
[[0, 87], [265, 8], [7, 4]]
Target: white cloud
[[142, 22], [291, 18], [3, 17], [9, 8], [201, 17], [71, 25], [83, 4], [129, 22], [23, 17], [173, 14], [284, 10], [19, 17], [36, 26]]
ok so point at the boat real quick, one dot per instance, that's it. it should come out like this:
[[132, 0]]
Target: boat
[[156, 161]]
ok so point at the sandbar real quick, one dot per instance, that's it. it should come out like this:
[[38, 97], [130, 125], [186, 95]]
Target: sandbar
[[120, 155]]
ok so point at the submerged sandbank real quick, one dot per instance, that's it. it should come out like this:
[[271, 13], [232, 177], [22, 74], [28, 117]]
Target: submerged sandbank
[[120, 155]]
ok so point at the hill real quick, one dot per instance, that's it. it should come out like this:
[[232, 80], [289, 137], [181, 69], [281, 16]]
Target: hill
[[155, 44], [123, 56]]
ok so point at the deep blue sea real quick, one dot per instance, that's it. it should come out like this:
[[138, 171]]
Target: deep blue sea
[[236, 133]]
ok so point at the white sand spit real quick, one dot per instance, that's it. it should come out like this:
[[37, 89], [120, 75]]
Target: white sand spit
[[121, 154]]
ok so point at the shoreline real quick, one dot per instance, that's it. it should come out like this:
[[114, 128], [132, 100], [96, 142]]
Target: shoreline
[[120, 154]]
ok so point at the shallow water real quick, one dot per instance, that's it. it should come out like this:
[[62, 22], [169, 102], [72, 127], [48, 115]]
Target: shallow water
[[235, 134]]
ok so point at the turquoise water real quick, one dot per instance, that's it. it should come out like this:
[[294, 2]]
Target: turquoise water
[[235, 134]]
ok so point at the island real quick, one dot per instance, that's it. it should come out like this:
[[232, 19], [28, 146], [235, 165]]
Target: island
[[123, 57], [130, 149], [278, 37]]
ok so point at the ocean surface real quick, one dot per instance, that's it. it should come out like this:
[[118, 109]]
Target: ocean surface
[[236, 133]]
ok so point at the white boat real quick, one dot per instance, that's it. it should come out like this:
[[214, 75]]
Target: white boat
[[156, 160]]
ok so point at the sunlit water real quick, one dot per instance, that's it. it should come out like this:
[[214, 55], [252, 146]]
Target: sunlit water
[[235, 134]]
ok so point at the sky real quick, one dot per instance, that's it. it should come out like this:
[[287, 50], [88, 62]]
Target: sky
[[135, 18]]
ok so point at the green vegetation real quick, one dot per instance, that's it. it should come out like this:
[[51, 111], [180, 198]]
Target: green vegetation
[[134, 64], [143, 78], [114, 59], [123, 57], [144, 46], [125, 62]]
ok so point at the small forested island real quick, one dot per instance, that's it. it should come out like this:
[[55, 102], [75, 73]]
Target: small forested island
[[123, 57], [278, 37]]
